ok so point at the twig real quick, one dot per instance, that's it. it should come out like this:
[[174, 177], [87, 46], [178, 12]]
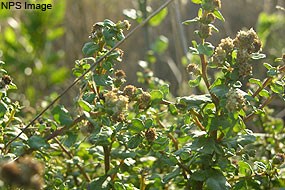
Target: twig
[[63, 129], [90, 69], [106, 158], [205, 78], [173, 139], [82, 171], [265, 103]]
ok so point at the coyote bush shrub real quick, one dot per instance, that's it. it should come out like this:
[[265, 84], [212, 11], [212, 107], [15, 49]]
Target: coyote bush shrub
[[120, 136]]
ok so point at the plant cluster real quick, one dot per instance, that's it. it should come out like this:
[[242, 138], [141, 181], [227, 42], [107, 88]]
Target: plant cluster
[[124, 137]]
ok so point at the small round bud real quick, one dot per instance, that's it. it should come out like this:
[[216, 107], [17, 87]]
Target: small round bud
[[217, 3], [6, 79], [123, 25], [205, 31], [193, 69], [120, 74], [210, 18], [130, 91], [150, 134], [144, 100], [97, 31]]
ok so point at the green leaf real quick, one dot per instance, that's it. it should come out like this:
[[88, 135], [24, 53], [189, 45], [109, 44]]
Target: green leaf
[[255, 81], [244, 169], [257, 56], [197, 1], [119, 186], [156, 95], [194, 82], [199, 175], [246, 139], [267, 66], [148, 123], [206, 49], [103, 80], [217, 181], [278, 59], [135, 141], [3, 109], [264, 93], [272, 72], [219, 15], [102, 137], [136, 126], [71, 139], [62, 116], [37, 142], [158, 18], [194, 100], [101, 183], [173, 110], [193, 50], [109, 23], [203, 145], [85, 105], [171, 175], [90, 48], [277, 87], [220, 90], [194, 20], [164, 89], [160, 143]]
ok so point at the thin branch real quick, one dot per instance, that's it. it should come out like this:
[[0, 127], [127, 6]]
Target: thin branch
[[82, 171], [267, 81], [265, 103], [264, 85], [106, 158], [205, 78], [90, 69], [173, 139], [63, 129]]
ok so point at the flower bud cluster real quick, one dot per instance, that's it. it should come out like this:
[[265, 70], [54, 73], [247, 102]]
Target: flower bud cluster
[[99, 30], [208, 17], [125, 25], [130, 91], [150, 134], [144, 100], [5, 80], [211, 5], [26, 172], [223, 50], [116, 103], [193, 69], [119, 78], [246, 43], [235, 100]]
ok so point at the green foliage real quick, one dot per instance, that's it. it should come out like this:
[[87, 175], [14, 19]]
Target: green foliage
[[27, 42], [123, 137]]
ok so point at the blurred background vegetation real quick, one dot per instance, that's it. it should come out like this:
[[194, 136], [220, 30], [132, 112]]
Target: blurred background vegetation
[[40, 48]]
